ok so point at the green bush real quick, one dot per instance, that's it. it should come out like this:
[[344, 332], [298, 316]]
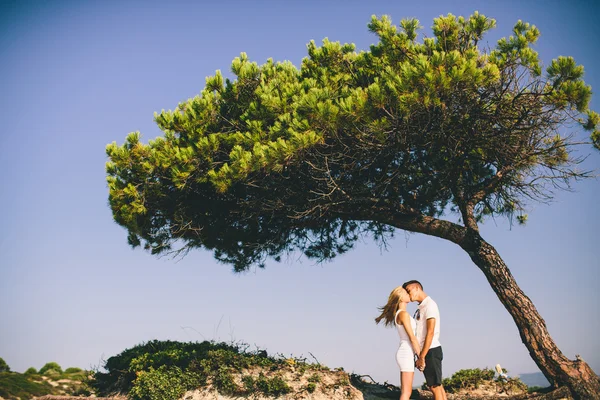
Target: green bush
[[512, 385], [224, 357], [311, 387], [249, 383], [468, 379], [73, 374], [4, 366], [158, 384], [344, 380], [203, 359], [31, 371], [275, 386], [13, 385], [122, 369], [51, 366], [166, 382], [82, 391], [223, 381], [170, 367], [473, 378], [52, 373]]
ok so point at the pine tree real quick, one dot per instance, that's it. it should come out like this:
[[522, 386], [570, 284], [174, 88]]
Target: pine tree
[[402, 136]]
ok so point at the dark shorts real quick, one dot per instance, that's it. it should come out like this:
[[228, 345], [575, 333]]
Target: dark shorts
[[433, 366]]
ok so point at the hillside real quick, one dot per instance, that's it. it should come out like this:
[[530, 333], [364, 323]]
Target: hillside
[[167, 370], [170, 370], [14, 385], [160, 370]]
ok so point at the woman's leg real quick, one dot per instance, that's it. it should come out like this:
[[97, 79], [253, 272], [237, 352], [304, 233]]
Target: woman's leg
[[406, 380]]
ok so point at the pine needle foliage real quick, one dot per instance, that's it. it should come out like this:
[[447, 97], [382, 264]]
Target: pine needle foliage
[[284, 159]]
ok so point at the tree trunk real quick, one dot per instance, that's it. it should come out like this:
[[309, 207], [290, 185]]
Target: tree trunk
[[558, 369]]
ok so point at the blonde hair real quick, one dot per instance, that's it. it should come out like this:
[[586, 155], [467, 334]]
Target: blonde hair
[[388, 312]]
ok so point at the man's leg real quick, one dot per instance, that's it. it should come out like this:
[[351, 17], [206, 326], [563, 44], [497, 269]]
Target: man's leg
[[433, 373], [438, 392]]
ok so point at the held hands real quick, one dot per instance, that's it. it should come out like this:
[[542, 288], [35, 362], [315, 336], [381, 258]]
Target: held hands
[[420, 364]]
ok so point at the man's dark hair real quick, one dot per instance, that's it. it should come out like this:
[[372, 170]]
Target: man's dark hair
[[410, 283]]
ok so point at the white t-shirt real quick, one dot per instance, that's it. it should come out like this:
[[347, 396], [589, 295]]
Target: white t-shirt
[[428, 309]]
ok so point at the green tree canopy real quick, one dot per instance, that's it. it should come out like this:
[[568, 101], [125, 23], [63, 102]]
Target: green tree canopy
[[428, 136], [282, 159]]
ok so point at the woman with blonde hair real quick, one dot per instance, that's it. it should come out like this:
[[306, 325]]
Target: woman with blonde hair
[[394, 314]]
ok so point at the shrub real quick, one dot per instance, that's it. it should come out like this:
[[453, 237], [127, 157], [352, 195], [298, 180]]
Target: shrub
[[512, 385], [310, 388], [249, 383], [468, 379], [275, 386], [473, 378], [51, 366], [189, 366], [224, 357], [122, 369], [82, 391], [158, 384], [73, 370], [344, 380], [52, 373], [166, 382], [31, 371], [19, 386], [278, 386], [223, 381], [4, 366]]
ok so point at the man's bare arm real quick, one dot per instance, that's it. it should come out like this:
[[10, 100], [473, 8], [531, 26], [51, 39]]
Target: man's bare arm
[[428, 337]]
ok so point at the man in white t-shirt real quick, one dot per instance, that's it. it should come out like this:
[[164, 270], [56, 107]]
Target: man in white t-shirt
[[428, 335]]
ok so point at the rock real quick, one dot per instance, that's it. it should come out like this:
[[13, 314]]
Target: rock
[[561, 393]]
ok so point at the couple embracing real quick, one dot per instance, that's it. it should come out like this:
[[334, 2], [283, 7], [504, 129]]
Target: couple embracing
[[419, 337]]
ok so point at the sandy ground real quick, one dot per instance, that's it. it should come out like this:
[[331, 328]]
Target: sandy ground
[[211, 395]]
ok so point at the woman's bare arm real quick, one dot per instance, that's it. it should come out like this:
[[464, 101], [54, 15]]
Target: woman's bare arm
[[405, 319]]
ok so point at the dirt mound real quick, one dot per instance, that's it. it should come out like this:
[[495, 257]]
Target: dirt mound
[[52, 397], [301, 384], [361, 389]]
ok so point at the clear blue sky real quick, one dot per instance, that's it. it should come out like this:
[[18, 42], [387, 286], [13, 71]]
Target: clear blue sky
[[77, 75]]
